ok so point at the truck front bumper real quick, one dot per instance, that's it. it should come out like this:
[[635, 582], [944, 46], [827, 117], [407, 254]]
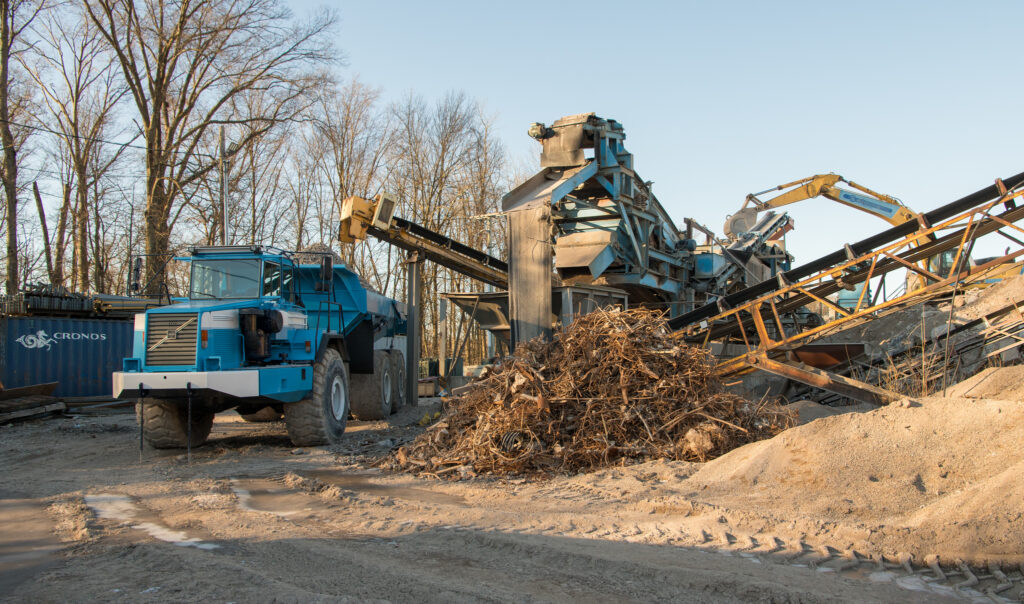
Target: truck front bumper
[[242, 384]]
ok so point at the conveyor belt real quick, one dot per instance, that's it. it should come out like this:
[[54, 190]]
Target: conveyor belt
[[445, 251]]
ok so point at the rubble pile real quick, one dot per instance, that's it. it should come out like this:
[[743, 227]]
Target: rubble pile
[[615, 387]]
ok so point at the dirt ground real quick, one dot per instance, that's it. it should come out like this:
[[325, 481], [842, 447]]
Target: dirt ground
[[252, 519]]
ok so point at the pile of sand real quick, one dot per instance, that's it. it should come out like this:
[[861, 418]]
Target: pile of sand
[[1006, 383], [807, 411], [935, 476], [976, 303]]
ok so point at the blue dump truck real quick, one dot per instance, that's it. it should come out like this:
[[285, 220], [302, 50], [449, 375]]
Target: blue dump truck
[[261, 333]]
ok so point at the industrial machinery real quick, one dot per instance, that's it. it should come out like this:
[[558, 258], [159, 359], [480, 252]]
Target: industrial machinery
[[361, 217], [591, 220], [589, 213], [260, 330], [864, 199], [888, 208], [751, 320], [885, 207], [375, 217]]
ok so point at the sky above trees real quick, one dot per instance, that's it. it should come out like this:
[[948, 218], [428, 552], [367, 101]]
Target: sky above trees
[[914, 99]]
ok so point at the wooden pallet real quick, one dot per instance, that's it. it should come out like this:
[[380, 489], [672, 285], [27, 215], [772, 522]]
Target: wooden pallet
[[28, 401]]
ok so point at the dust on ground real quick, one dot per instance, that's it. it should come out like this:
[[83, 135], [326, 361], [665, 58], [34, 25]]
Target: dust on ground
[[794, 518]]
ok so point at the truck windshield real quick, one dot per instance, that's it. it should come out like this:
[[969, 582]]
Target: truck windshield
[[239, 278]]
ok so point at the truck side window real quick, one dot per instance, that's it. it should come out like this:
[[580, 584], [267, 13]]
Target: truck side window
[[288, 284], [271, 279]]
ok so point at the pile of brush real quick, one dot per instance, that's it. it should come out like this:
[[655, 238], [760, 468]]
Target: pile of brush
[[615, 387]]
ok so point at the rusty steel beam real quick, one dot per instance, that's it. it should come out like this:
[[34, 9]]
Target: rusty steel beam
[[749, 320], [819, 378], [796, 295]]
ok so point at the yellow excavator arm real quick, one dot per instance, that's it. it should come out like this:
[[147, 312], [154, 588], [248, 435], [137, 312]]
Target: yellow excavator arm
[[864, 199]]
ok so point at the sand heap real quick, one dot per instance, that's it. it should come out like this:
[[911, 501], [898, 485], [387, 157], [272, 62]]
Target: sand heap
[[935, 476], [614, 387]]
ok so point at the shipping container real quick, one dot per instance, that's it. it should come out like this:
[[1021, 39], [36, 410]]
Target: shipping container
[[80, 354]]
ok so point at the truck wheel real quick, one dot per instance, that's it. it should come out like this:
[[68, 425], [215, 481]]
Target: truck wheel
[[266, 414], [320, 418], [165, 424], [398, 370], [372, 393]]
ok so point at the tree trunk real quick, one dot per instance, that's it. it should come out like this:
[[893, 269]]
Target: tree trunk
[[10, 163], [46, 232], [82, 231], [158, 240], [60, 241]]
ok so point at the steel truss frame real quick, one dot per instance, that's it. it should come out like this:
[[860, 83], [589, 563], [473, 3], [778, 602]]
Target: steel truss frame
[[758, 325]]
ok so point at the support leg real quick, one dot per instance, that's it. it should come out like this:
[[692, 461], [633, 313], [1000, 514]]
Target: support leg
[[188, 396], [412, 356]]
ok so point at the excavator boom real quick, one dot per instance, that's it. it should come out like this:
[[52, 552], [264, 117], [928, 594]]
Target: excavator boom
[[864, 199]]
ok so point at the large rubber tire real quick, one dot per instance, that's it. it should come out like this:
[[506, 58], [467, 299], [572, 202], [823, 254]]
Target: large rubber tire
[[165, 424], [266, 414], [372, 393], [320, 418], [398, 371]]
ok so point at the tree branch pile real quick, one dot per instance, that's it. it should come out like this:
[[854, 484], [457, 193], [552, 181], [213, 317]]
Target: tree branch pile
[[615, 387]]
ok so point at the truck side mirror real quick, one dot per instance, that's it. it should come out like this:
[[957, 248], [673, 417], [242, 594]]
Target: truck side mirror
[[326, 273], [136, 275]]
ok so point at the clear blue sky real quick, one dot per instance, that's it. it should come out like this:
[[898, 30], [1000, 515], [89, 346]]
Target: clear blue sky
[[920, 100]]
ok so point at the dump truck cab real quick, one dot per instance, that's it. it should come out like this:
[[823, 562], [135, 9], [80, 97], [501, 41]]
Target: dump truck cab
[[259, 332]]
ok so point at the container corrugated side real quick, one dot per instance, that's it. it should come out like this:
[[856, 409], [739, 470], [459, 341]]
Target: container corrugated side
[[80, 354]]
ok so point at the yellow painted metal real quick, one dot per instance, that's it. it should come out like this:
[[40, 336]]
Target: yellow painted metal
[[823, 185], [969, 224], [356, 217]]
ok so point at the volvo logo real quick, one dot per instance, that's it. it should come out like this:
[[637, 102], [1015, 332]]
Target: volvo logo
[[172, 334]]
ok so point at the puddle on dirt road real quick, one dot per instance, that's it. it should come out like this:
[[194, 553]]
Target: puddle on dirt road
[[27, 545], [122, 508], [915, 582], [362, 483], [268, 495]]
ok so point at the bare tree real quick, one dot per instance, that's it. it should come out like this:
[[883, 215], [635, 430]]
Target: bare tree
[[444, 165], [81, 89], [256, 181], [184, 61], [16, 15]]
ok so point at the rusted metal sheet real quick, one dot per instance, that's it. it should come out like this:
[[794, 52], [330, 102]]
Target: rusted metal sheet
[[530, 273], [824, 356]]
